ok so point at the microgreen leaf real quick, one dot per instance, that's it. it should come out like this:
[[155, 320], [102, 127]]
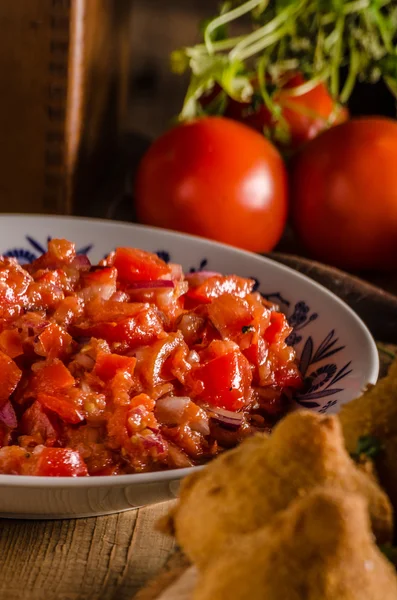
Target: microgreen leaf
[[369, 446], [318, 37]]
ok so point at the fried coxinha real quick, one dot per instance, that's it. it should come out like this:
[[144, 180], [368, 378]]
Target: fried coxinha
[[243, 489], [291, 516], [320, 547]]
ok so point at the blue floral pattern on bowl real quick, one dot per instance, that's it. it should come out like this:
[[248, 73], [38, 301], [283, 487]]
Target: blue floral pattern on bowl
[[321, 376]]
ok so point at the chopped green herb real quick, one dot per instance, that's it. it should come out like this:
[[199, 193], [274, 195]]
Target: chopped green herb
[[247, 328], [369, 446]]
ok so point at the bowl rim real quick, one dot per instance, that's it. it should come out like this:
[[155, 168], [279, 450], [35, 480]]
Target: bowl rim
[[170, 475]]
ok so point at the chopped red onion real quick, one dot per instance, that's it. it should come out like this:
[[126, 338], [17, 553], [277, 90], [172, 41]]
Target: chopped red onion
[[198, 277], [104, 291], [169, 410], [153, 441], [8, 416], [201, 423], [176, 271], [146, 285], [81, 261], [227, 417]]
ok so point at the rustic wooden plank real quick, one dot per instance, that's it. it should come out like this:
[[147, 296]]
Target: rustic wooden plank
[[104, 557]]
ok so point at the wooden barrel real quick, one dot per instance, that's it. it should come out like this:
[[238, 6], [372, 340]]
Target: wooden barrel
[[63, 90]]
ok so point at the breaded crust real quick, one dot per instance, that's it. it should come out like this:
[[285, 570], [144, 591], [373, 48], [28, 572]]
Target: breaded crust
[[320, 547], [243, 489]]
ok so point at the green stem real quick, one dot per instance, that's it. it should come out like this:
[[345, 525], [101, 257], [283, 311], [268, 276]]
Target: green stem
[[221, 45], [306, 87], [270, 33], [383, 29], [353, 72], [261, 69], [257, 35], [264, 43], [348, 8], [337, 57], [232, 15], [262, 66]]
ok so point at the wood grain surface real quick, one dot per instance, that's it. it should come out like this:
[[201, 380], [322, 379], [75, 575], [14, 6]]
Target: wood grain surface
[[99, 558]]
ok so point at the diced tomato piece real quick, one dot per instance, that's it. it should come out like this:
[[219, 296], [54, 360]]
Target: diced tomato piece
[[14, 281], [46, 291], [62, 406], [99, 276], [143, 400], [62, 249], [110, 311], [107, 365], [10, 376], [60, 253], [55, 342], [289, 376], [135, 265], [278, 325], [52, 378], [257, 354], [13, 460], [100, 282], [117, 428], [60, 462], [230, 315], [225, 381], [144, 328], [68, 310], [35, 422], [218, 285], [10, 343], [120, 387]]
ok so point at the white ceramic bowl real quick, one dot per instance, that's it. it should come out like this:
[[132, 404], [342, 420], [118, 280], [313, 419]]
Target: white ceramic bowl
[[336, 350]]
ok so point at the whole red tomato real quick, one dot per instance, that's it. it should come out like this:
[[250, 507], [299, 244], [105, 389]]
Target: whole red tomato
[[305, 115], [215, 178], [344, 195]]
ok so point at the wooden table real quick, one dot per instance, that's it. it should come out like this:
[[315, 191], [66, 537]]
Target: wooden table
[[103, 558]]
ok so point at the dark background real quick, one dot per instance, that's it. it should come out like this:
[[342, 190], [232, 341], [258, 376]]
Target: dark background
[[158, 27]]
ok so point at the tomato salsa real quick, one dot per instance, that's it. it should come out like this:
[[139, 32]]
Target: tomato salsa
[[131, 366]]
